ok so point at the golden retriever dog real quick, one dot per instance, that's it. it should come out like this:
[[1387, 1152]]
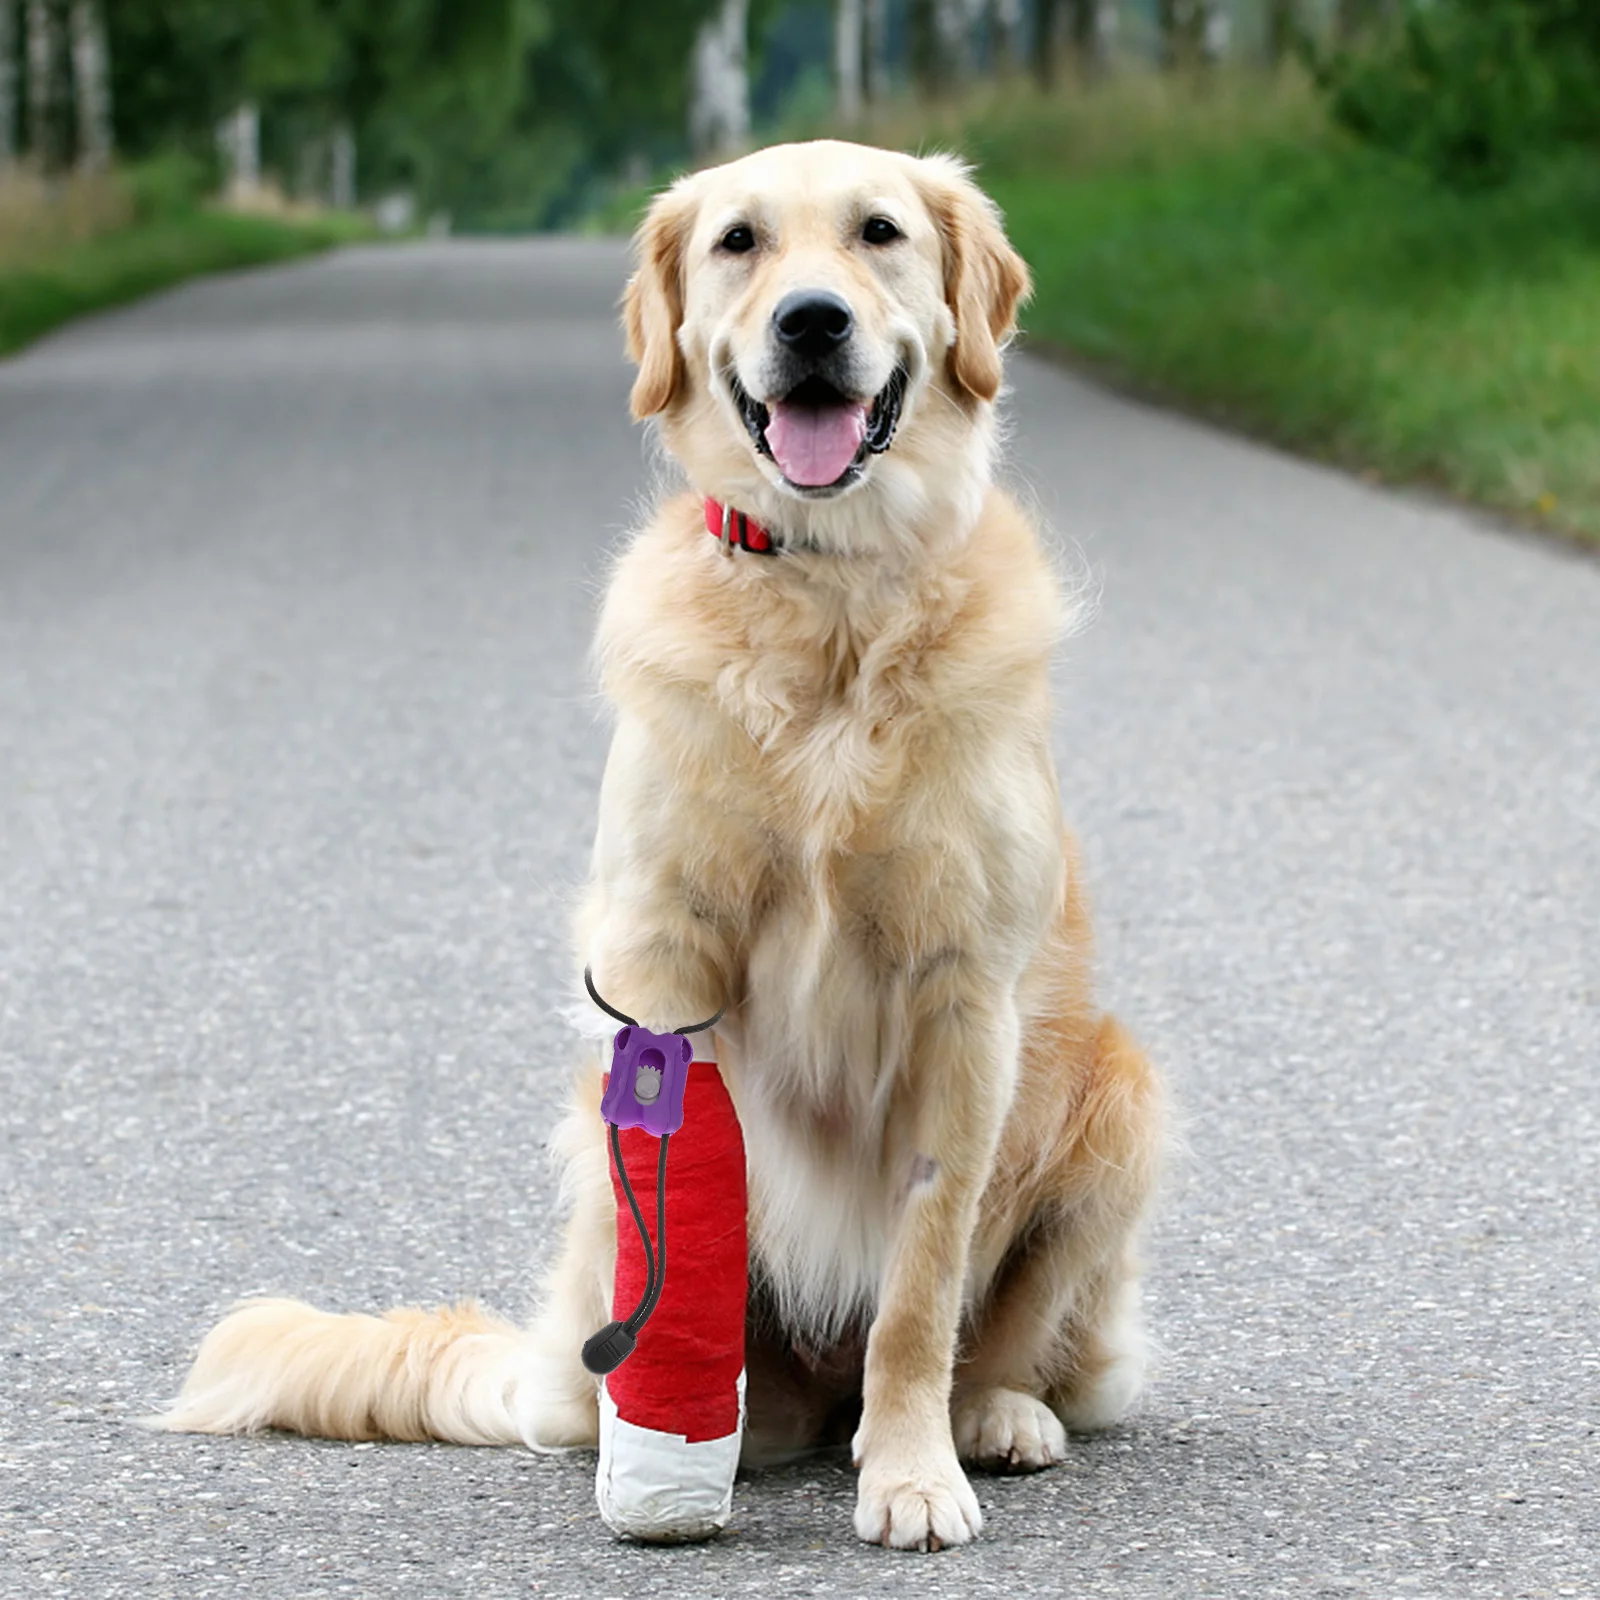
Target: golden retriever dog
[[829, 806]]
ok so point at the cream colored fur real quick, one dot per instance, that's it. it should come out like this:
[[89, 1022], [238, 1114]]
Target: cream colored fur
[[829, 805]]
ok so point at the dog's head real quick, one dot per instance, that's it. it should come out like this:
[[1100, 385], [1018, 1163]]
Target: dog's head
[[819, 328]]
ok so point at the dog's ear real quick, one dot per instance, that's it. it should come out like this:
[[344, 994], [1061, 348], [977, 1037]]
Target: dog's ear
[[652, 304], [985, 280]]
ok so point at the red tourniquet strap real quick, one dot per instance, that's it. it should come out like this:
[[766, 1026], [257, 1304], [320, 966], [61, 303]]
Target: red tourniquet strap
[[683, 1376], [742, 531]]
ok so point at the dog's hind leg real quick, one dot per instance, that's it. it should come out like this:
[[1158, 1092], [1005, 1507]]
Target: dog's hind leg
[[1058, 1343]]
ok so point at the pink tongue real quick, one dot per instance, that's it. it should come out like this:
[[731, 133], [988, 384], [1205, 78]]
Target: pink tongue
[[813, 445]]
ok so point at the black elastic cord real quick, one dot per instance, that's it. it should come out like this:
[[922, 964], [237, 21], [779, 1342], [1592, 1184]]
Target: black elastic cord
[[635, 1321], [697, 1027], [655, 1261], [644, 1312], [588, 983], [694, 1027]]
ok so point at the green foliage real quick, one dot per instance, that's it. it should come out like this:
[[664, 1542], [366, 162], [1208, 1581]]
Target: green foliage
[[618, 68], [1323, 293], [166, 186], [1473, 88], [176, 69], [497, 109]]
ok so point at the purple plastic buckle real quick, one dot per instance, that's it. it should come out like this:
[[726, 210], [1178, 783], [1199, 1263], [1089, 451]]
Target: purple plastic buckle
[[648, 1074]]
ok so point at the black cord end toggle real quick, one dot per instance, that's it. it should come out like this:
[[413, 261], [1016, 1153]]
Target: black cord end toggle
[[605, 1351]]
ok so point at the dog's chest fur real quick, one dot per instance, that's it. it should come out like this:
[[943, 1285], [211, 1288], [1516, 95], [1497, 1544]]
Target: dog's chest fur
[[827, 692], [877, 868]]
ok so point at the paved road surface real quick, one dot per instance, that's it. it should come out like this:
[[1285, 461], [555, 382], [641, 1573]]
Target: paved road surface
[[297, 769]]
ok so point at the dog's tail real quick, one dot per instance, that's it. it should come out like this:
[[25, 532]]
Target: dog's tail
[[458, 1374]]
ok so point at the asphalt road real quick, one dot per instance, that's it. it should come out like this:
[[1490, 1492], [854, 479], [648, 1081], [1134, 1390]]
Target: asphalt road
[[297, 773]]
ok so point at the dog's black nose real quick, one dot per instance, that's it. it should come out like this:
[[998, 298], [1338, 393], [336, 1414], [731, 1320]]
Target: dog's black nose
[[812, 322]]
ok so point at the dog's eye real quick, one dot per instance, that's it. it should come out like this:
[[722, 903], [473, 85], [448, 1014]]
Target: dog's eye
[[738, 240], [880, 230]]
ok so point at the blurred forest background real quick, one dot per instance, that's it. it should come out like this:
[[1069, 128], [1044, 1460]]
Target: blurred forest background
[[520, 114], [1368, 228]]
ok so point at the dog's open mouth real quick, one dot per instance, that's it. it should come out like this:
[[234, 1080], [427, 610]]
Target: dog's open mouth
[[818, 437]]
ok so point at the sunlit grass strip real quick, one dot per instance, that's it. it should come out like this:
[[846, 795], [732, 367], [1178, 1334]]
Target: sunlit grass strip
[[1127, 120], [1217, 243], [76, 249]]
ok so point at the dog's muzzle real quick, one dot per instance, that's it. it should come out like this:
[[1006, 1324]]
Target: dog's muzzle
[[817, 423]]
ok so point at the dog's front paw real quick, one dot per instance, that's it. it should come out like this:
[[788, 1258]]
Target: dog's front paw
[[1004, 1430], [920, 1504]]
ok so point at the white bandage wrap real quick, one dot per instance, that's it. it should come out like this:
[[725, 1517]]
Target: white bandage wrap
[[659, 1488]]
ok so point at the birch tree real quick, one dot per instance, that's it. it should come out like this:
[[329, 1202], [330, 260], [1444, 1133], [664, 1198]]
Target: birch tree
[[719, 101], [847, 74], [1107, 26], [8, 84], [342, 167], [239, 144], [91, 80], [1216, 29]]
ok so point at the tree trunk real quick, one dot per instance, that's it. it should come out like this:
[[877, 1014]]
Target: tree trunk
[[91, 74], [44, 140], [877, 49], [1107, 22], [310, 167], [719, 101], [847, 60], [342, 168], [239, 141], [8, 84], [1215, 29]]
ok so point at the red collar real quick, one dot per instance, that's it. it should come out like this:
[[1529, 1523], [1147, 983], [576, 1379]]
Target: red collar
[[735, 528]]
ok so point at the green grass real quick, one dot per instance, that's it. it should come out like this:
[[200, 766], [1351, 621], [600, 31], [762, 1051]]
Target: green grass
[[51, 283], [1237, 255]]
